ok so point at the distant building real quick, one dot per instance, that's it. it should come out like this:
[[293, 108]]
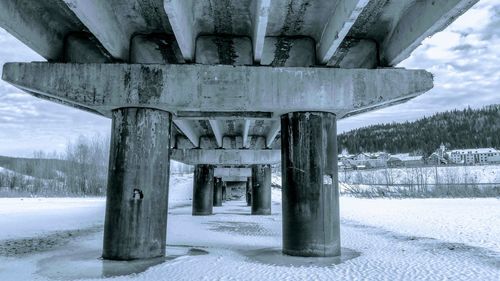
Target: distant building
[[405, 160], [439, 156], [474, 156]]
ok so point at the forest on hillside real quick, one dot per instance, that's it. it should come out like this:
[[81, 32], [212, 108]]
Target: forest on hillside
[[457, 129]]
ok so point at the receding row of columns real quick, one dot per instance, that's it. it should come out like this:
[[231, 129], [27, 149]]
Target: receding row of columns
[[208, 192], [137, 199]]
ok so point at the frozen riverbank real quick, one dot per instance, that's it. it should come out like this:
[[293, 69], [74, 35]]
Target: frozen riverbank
[[382, 239]]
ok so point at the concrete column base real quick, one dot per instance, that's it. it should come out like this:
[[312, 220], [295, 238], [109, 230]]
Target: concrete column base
[[137, 197], [261, 190], [203, 190], [311, 223]]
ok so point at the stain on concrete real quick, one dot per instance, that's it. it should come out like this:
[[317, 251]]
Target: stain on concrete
[[294, 22], [223, 25]]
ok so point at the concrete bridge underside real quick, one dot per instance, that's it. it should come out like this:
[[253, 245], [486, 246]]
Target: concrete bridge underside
[[230, 86]]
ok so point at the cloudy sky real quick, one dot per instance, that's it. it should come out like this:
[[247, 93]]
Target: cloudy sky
[[464, 58]]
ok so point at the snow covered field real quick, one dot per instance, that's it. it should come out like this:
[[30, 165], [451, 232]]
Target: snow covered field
[[423, 239]]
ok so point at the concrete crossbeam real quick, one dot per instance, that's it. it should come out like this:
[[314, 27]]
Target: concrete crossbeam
[[420, 21], [219, 88], [342, 19], [232, 172], [234, 179], [226, 156]]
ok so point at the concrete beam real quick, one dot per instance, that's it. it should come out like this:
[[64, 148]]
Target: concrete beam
[[187, 128], [41, 25], [272, 133], [223, 50], [234, 179], [260, 18], [226, 156], [420, 21], [246, 128], [100, 18], [342, 19], [172, 88], [361, 53], [180, 16], [217, 130], [232, 172]]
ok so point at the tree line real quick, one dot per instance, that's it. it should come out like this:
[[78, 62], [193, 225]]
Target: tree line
[[457, 129], [80, 171]]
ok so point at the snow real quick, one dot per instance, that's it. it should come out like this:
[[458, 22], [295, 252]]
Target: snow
[[428, 239]]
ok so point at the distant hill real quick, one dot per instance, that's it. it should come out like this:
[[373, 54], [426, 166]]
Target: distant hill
[[29, 166], [468, 128]]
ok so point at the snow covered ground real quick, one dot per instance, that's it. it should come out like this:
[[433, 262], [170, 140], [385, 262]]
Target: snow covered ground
[[424, 239]]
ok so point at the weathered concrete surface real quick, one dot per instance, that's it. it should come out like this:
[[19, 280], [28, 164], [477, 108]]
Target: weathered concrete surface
[[261, 190], [217, 201], [310, 195], [137, 196], [229, 172], [82, 48], [155, 48], [224, 50], [226, 156], [203, 190], [173, 88]]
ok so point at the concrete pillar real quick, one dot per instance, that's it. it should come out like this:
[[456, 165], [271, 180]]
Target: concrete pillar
[[137, 196], [248, 193], [311, 224], [217, 192], [261, 190], [224, 194], [203, 190]]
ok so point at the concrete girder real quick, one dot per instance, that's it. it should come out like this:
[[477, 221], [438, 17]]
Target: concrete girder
[[342, 19], [272, 133], [217, 130], [173, 88], [226, 156], [41, 25], [362, 53], [155, 48], [100, 18], [232, 172], [187, 128], [260, 17], [288, 51], [246, 128], [420, 21], [180, 16]]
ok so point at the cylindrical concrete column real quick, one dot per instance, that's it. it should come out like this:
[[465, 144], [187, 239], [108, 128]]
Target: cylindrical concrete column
[[248, 194], [203, 190], [311, 225], [261, 190], [217, 192], [137, 196], [224, 190]]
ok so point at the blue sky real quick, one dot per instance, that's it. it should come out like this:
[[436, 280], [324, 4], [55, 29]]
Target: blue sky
[[464, 58]]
